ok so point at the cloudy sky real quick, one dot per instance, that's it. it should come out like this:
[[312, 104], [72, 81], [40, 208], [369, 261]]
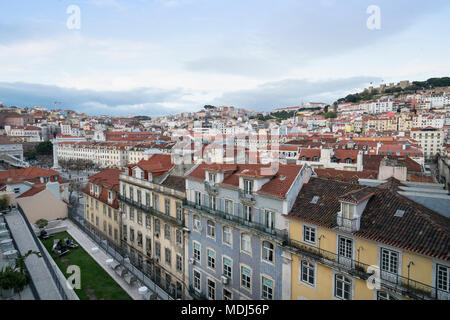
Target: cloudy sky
[[166, 56]]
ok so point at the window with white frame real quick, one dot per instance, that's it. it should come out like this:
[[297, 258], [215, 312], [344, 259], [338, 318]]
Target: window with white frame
[[342, 287], [307, 273], [267, 288], [179, 211], [309, 234], [246, 243], [213, 202], [246, 276], [228, 206], [227, 267], [269, 219], [198, 198], [267, 251], [211, 229], [212, 178], [197, 281], [248, 186], [196, 222], [248, 213], [197, 251], [443, 278], [227, 236], [211, 258], [348, 210], [211, 289], [389, 260], [345, 247]]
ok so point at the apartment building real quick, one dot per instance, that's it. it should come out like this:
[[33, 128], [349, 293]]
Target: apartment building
[[236, 217], [350, 160], [153, 224], [429, 139], [101, 205], [339, 233], [102, 154]]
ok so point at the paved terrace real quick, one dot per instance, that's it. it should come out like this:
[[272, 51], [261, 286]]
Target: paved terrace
[[39, 272]]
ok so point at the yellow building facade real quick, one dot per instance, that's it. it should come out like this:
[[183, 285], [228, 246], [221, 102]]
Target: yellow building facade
[[332, 262]]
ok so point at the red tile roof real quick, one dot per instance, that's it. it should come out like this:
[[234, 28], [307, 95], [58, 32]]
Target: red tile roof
[[309, 154], [347, 176], [277, 186]]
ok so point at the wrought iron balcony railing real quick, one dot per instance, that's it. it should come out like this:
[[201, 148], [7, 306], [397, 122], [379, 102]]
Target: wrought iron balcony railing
[[210, 188], [345, 224], [151, 210], [257, 226], [406, 286], [246, 196]]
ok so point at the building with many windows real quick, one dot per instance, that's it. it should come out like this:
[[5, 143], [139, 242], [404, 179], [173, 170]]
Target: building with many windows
[[101, 205], [153, 232], [236, 217], [430, 140]]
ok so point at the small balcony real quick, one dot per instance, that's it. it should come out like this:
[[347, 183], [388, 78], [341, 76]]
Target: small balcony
[[347, 225], [246, 196], [211, 188]]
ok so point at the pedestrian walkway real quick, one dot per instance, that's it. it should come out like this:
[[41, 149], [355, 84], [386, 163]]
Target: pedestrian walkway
[[100, 256], [36, 266]]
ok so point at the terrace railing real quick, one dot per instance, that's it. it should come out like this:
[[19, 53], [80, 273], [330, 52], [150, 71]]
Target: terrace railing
[[408, 287], [256, 226]]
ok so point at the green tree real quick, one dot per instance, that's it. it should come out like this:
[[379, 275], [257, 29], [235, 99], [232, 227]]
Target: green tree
[[30, 154], [4, 202], [45, 147], [330, 114]]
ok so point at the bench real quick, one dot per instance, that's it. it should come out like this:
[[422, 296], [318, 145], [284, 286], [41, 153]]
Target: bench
[[129, 278], [121, 271], [114, 264]]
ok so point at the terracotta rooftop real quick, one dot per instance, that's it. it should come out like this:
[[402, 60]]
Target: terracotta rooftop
[[277, 186], [109, 178]]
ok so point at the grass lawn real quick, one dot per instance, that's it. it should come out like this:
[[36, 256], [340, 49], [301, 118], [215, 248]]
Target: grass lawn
[[96, 283]]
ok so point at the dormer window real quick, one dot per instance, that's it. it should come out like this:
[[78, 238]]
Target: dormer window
[[92, 188], [211, 178], [315, 158], [96, 189], [348, 210], [110, 196], [348, 160]]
